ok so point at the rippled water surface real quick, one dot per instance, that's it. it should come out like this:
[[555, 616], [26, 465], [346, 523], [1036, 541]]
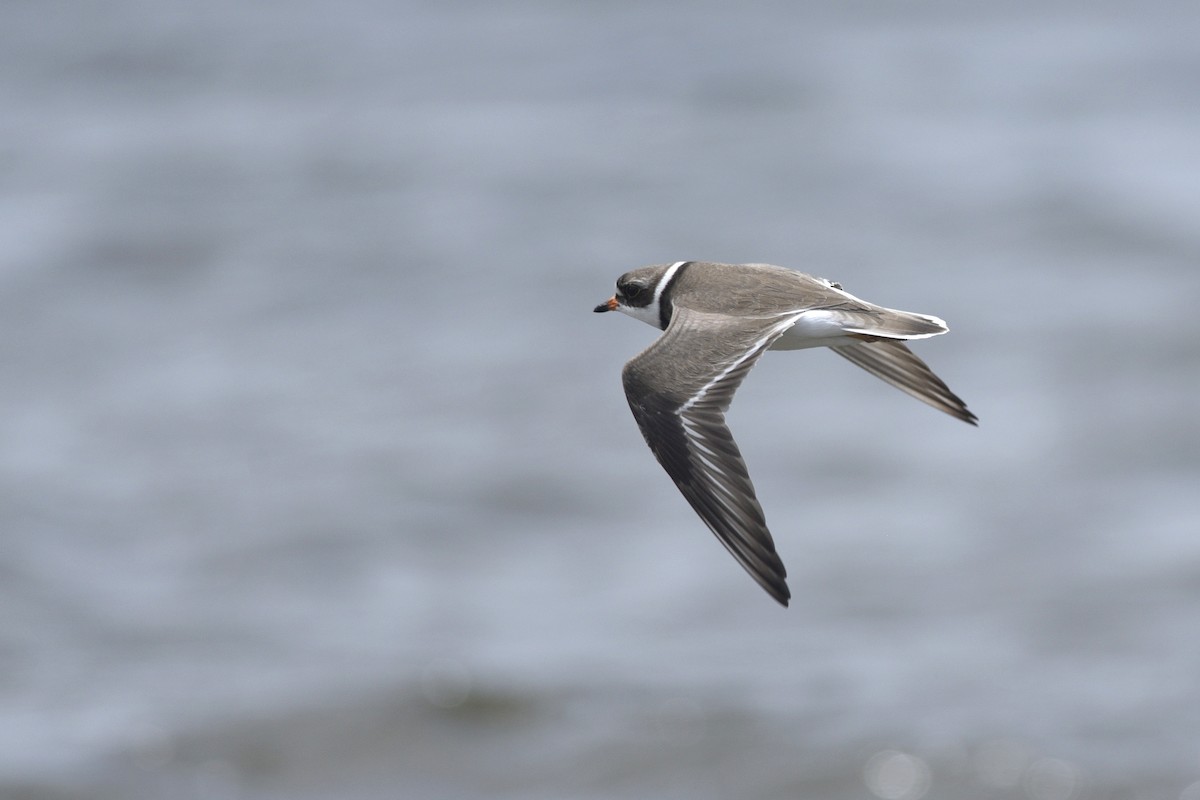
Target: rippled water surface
[[316, 476]]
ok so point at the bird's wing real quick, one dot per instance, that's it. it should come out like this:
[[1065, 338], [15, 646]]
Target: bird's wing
[[679, 389], [893, 362]]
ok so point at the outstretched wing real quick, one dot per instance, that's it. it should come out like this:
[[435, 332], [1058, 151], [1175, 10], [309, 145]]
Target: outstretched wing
[[679, 389], [892, 361]]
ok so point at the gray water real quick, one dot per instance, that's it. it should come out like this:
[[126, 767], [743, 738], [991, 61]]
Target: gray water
[[318, 481]]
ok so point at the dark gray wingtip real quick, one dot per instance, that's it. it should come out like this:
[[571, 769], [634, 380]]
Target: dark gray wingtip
[[774, 583], [892, 361]]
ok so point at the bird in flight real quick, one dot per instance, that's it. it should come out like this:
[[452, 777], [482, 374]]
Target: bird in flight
[[717, 319]]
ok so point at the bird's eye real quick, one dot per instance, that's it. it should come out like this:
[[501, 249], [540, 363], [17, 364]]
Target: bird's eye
[[631, 290]]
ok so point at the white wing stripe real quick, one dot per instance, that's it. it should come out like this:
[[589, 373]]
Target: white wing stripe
[[771, 333]]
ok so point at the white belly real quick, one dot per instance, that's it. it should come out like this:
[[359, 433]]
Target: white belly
[[815, 329]]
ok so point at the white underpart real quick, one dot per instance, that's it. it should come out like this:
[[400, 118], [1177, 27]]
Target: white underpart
[[822, 328], [649, 314], [816, 328]]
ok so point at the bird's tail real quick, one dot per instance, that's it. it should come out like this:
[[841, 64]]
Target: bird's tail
[[890, 323]]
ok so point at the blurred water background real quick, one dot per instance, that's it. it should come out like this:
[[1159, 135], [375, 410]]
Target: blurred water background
[[318, 481]]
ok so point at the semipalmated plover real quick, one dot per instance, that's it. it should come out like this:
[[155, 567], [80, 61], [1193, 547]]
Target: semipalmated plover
[[717, 319]]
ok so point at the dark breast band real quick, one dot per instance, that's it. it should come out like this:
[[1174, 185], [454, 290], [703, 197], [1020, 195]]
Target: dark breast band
[[665, 307]]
